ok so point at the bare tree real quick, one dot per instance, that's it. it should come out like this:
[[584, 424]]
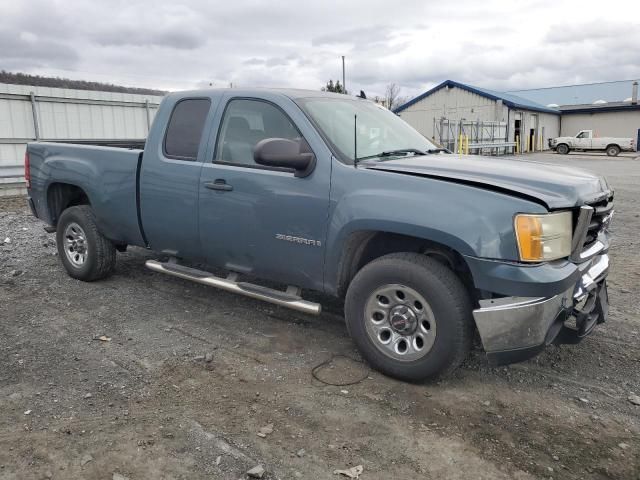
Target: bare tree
[[401, 100], [392, 96]]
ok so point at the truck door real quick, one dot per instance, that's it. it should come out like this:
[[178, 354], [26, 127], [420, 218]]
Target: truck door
[[261, 220], [170, 176], [583, 140]]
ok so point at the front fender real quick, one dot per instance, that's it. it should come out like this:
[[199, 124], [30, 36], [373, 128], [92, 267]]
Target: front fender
[[472, 221]]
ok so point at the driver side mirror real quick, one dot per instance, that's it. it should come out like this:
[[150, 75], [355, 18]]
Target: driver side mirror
[[285, 153]]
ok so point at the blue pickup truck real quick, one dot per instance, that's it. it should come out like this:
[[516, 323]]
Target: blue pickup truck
[[291, 190]]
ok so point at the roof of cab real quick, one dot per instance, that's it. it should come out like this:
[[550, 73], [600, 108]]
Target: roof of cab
[[293, 93]]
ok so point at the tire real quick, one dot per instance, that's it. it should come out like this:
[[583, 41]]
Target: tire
[[562, 149], [85, 253], [447, 308], [613, 150]]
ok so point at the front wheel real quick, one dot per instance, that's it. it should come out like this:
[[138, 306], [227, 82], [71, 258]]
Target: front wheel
[[409, 316], [562, 149], [85, 253], [613, 150]]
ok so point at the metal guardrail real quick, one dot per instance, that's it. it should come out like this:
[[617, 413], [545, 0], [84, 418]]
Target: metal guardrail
[[16, 171], [82, 101], [492, 148], [12, 172], [492, 145]]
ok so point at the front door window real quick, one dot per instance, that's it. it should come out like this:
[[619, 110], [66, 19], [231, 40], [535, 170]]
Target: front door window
[[245, 123]]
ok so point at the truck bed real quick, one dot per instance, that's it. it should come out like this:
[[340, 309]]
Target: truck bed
[[107, 175], [132, 143]]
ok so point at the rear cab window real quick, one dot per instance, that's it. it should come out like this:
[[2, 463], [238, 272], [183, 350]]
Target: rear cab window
[[184, 131]]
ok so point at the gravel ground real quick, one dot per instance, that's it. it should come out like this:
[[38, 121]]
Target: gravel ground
[[185, 379]]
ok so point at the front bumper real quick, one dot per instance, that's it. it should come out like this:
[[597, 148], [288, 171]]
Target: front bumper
[[516, 328]]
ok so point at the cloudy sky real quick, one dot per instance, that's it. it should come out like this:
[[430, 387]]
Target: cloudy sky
[[504, 44]]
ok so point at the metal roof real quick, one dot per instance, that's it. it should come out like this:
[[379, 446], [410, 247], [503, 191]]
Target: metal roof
[[508, 99], [601, 107], [579, 94]]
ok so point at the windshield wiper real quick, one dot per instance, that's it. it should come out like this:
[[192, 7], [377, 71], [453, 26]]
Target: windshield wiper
[[438, 150], [393, 153]]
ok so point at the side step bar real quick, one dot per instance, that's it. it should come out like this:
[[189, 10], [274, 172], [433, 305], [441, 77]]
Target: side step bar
[[290, 299]]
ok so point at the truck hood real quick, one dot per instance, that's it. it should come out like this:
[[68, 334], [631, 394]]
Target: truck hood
[[552, 185]]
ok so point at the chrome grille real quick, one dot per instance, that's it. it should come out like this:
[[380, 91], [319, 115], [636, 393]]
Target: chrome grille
[[600, 219]]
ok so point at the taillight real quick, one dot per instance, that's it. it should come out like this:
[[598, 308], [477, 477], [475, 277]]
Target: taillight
[[27, 169]]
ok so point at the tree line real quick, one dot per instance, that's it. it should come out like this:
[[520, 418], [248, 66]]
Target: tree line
[[392, 96], [59, 82], [391, 99]]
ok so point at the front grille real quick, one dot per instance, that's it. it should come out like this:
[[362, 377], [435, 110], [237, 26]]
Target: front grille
[[599, 221]]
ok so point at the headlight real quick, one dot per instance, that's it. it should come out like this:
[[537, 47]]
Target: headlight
[[543, 237]]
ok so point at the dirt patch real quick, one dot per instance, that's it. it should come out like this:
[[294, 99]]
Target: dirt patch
[[191, 375]]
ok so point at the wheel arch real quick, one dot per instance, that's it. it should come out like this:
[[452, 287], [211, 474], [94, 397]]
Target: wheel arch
[[363, 246], [60, 196]]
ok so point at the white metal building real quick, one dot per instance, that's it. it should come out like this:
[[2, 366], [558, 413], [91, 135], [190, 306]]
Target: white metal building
[[611, 120], [610, 109], [29, 113], [487, 116]]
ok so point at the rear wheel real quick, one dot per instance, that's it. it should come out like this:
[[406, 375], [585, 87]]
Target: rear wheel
[[85, 253], [562, 149], [613, 150], [409, 316]]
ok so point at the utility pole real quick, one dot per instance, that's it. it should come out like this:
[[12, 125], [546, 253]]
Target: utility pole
[[344, 86]]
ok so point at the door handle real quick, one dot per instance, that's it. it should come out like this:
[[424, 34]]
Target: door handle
[[218, 184]]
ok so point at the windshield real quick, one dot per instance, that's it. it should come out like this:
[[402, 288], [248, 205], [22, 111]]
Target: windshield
[[378, 129]]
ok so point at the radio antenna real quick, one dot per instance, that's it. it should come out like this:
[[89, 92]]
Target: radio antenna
[[355, 140]]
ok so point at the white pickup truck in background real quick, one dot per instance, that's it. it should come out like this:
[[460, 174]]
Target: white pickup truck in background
[[585, 140]]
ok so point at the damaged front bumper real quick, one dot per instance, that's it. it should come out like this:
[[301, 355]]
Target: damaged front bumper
[[516, 328]]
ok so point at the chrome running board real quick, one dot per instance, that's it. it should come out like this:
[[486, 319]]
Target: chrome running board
[[290, 299]]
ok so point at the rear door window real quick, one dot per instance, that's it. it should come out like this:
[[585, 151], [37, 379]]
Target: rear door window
[[185, 128]]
